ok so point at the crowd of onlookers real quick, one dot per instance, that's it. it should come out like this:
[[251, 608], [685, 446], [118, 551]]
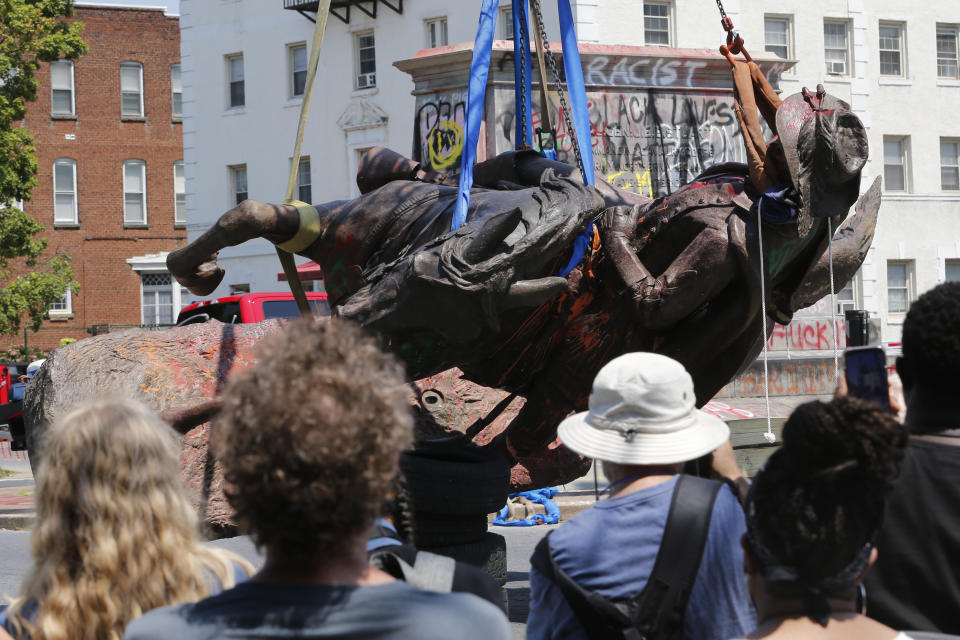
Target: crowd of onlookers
[[850, 530]]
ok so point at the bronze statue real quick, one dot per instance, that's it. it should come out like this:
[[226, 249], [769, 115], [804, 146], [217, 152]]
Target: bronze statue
[[680, 275]]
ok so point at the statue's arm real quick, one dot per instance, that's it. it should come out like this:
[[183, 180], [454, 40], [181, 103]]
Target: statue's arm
[[699, 273]]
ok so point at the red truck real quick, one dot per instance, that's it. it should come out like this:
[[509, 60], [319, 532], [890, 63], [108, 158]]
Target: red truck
[[250, 307]]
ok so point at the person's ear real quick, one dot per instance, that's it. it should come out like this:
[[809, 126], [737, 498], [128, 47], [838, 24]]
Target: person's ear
[[748, 563], [905, 377], [870, 561]]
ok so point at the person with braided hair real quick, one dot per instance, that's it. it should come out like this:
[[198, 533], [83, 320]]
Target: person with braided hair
[[916, 583], [813, 514]]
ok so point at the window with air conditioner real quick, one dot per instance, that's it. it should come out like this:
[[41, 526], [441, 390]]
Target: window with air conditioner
[[366, 60], [61, 88], [891, 49], [836, 47], [848, 298], [952, 270]]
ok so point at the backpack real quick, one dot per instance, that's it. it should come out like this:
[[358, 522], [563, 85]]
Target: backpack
[[657, 612]]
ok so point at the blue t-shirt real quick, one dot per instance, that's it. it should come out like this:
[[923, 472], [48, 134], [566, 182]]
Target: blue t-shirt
[[611, 547], [393, 611]]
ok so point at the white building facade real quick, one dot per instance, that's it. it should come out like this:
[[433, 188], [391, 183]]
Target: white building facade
[[243, 65]]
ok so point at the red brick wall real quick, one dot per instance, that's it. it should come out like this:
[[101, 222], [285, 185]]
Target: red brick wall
[[109, 288]]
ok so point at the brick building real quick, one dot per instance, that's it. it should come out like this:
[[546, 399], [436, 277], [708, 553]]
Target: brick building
[[109, 137]]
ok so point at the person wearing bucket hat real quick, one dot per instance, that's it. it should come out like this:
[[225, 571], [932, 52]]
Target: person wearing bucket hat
[[643, 425]]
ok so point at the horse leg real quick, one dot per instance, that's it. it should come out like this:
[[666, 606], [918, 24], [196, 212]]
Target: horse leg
[[195, 265]]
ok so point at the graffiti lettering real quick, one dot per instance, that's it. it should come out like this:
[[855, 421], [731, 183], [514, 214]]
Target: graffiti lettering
[[438, 130]]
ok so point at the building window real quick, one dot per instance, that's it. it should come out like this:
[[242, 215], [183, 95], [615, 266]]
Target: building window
[[157, 298], [847, 297], [891, 49], [950, 165], [656, 24], [506, 22], [238, 183], [952, 270], [235, 73], [777, 36], [63, 306], [948, 60], [894, 164], [131, 89], [64, 191], [297, 58], [179, 194], [899, 287], [437, 32], [61, 88], [366, 60], [176, 88], [134, 192], [836, 47], [304, 188]]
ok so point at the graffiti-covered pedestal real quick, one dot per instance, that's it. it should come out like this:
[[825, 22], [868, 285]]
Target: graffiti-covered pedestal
[[658, 116]]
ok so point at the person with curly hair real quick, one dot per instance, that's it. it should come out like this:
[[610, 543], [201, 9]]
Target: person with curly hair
[[115, 534], [916, 582], [310, 439], [813, 513]]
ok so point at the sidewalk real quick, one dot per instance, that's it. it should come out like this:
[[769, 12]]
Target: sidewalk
[[17, 509]]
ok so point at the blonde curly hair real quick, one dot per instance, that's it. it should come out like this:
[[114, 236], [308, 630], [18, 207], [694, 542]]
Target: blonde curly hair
[[310, 437], [115, 534]]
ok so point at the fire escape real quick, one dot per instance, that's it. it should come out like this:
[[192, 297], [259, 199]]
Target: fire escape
[[341, 8]]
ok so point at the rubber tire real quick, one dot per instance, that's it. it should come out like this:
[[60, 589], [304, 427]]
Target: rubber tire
[[431, 530], [455, 480], [489, 554]]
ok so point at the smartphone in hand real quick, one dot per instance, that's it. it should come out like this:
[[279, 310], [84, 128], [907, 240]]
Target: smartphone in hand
[[866, 372]]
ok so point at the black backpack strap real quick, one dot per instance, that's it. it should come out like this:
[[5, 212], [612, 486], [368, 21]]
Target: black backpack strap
[[658, 610], [600, 618]]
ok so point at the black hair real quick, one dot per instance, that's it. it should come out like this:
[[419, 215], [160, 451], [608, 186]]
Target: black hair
[[931, 339], [819, 499]]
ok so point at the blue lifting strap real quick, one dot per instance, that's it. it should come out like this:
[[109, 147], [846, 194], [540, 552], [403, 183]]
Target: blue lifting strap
[[476, 91], [476, 94], [523, 130], [577, 91]]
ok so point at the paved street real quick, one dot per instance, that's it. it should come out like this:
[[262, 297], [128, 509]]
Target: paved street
[[15, 561]]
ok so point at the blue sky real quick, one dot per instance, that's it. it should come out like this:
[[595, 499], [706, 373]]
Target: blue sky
[[173, 6]]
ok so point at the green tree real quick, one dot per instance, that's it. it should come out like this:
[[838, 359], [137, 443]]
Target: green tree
[[31, 32]]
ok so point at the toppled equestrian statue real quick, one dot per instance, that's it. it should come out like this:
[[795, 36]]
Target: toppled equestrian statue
[[680, 275]]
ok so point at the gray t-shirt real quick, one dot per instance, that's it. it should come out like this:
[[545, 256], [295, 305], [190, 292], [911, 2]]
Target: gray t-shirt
[[387, 612]]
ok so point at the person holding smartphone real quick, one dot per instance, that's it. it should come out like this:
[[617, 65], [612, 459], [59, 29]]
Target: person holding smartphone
[[915, 584]]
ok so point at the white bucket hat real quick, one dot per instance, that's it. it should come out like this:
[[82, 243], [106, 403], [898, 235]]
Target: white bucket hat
[[642, 412]]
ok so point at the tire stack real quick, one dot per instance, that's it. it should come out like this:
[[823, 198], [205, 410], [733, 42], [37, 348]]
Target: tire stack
[[453, 485]]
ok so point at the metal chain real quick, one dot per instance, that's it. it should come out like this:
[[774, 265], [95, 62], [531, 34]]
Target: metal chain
[[560, 92], [524, 55], [723, 14]]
